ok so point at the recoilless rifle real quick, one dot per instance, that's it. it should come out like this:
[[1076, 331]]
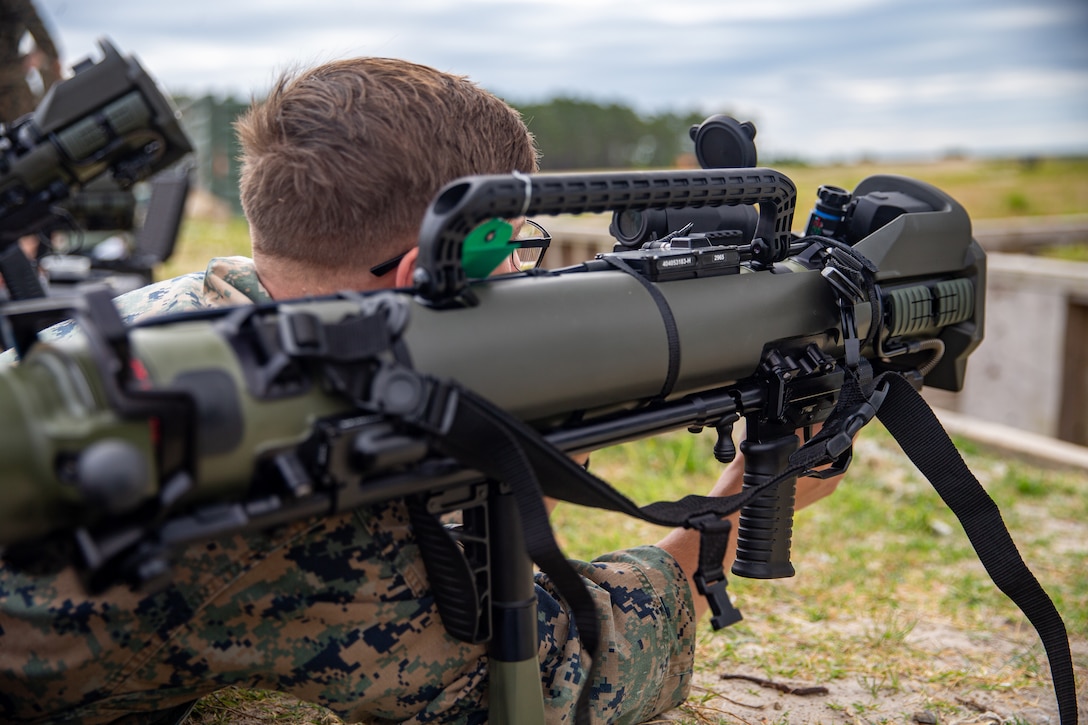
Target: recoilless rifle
[[123, 443]]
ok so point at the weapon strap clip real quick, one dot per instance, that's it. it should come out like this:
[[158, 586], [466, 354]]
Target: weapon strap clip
[[710, 578]]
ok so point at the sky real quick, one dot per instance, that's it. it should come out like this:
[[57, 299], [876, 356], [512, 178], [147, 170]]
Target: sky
[[821, 79]]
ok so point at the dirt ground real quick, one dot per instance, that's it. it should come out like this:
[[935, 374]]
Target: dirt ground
[[935, 695]]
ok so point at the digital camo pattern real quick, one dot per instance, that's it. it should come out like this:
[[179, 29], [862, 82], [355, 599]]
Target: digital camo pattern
[[228, 281], [335, 611], [645, 612]]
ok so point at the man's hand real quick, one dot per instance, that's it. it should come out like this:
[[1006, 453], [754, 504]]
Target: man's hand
[[683, 544]]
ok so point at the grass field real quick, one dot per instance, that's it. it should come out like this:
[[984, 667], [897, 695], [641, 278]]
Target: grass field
[[890, 610], [987, 189]]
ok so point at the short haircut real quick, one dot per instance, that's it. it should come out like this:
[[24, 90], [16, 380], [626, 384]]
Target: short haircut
[[340, 162]]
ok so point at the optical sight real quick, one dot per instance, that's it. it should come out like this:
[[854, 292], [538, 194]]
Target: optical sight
[[721, 142]]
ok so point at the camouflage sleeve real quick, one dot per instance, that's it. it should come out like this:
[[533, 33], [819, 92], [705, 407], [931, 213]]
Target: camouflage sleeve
[[335, 611], [648, 632], [179, 294], [227, 281]]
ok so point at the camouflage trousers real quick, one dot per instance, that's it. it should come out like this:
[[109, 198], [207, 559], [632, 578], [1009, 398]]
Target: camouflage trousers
[[337, 612]]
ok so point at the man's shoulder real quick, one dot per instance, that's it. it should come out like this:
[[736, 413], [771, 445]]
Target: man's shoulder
[[227, 281], [178, 294], [233, 281]]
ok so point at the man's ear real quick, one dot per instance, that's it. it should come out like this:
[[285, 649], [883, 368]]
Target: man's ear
[[406, 267]]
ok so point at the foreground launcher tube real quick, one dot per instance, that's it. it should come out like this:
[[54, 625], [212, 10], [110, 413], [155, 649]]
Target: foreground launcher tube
[[74, 454], [550, 349], [542, 348], [546, 347]]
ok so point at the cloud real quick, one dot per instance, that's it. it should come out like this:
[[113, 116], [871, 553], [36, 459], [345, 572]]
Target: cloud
[[836, 74]]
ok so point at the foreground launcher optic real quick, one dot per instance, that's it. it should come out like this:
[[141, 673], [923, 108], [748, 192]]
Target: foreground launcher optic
[[123, 444], [109, 117]]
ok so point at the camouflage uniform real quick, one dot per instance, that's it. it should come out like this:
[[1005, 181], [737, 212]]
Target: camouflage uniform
[[335, 610]]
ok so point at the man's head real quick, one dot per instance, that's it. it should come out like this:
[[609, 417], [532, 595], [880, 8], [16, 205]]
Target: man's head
[[340, 162]]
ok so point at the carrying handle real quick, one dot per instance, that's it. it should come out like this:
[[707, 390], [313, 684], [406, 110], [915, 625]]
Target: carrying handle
[[465, 202]]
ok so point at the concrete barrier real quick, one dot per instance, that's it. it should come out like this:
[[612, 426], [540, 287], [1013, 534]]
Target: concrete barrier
[[1030, 234], [1039, 449]]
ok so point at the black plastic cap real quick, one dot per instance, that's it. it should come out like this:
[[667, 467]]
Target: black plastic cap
[[723, 142], [833, 196]]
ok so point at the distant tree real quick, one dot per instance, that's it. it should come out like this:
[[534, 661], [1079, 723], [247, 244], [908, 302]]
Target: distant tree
[[580, 134], [671, 133]]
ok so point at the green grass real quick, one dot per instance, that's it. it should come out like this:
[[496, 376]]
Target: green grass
[[884, 536], [199, 240], [1070, 253], [235, 706], [987, 188], [885, 550]]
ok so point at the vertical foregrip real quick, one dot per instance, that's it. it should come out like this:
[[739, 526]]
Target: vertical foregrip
[[766, 524]]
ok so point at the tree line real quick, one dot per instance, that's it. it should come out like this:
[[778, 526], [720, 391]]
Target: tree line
[[571, 133], [580, 134]]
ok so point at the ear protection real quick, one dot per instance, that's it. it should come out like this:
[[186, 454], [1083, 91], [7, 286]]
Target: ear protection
[[484, 249]]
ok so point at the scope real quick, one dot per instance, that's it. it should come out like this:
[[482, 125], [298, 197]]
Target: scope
[[721, 142]]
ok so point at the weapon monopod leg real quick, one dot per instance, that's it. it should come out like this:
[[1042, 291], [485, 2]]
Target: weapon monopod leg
[[514, 689]]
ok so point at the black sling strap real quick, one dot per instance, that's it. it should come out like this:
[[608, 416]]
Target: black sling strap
[[496, 444], [912, 423], [910, 420], [672, 334], [529, 460]]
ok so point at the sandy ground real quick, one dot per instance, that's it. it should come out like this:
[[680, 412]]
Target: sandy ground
[[915, 697]]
